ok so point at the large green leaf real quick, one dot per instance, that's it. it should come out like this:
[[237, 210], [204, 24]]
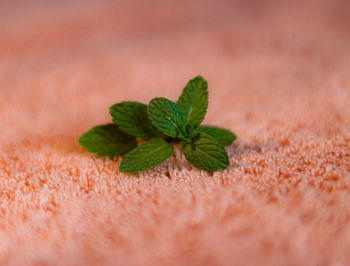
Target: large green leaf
[[107, 140], [193, 101], [206, 153], [166, 117], [132, 118], [223, 136], [146, 156]]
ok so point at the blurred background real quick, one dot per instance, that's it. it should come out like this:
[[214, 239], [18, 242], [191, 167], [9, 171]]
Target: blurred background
[[278, 74], [63, 63]]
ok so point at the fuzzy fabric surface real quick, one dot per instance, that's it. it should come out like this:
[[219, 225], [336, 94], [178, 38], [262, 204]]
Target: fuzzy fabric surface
[[279, 77]]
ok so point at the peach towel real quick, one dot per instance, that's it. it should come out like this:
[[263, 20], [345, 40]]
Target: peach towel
[[279, 77]]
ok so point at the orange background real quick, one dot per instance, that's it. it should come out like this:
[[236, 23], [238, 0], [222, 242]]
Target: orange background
[[278, 74]]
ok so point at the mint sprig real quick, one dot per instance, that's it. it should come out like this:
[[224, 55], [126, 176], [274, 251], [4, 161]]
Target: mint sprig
[[223, 136], [147, 156], [193, 101], [107, 140], [159, 126], [132, 118], [166, 117]]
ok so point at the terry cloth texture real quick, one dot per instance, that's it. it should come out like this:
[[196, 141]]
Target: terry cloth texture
[[279, 77]]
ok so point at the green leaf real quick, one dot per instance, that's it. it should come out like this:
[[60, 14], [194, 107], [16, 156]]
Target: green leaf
[[107, 140], [166, 117], [206, 153], [132, 118], [146, 156], [223, 136], [193, 101]]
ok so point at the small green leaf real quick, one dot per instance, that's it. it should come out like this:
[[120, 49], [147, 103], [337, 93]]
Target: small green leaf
[[166, 117], [223, 136], [193, 101], [107, 140], [206, 153], [146, 156], [132, 118]]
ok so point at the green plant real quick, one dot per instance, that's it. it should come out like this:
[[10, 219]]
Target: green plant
[[162, 124]]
